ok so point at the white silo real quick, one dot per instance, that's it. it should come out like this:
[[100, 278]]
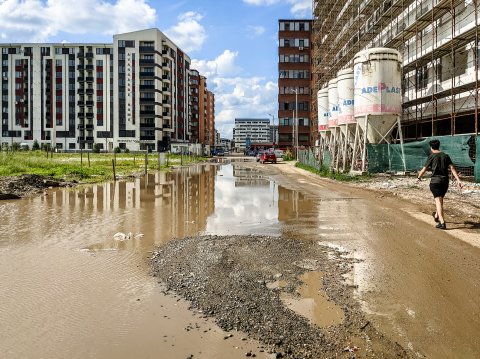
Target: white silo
[[346, 118], [323, 111], [345, 98], [333, 103], [377, 95]]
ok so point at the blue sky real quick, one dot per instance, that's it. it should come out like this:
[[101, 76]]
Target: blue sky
[[232, 42]]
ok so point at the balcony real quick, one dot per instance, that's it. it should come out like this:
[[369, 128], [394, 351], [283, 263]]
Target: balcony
[[147, 112], [146, 61], [89, 139], [89, 55], [89, 91], [89, 67], [167, 89], [81, 78], [166, 114], [90, 115], [146, 49], [146, 100], [80, 67], [89, 127], [147, 87], [147, 74], [80, 103], [81, 91], [147, 126], [81, 55], [89, 103], [81, 115], [90, 79], [166, 77], [147, 138]]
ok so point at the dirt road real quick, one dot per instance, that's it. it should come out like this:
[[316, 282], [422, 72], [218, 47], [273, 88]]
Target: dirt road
[[406, 282]]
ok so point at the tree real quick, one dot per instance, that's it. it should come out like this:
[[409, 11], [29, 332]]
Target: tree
[[96, 148], [35, 146]]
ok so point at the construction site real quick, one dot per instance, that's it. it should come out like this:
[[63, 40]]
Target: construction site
[[437, 46]]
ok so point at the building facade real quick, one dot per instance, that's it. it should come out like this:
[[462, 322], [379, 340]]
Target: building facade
[[438, 41], [294, 83], [251, 130], [134, 93]]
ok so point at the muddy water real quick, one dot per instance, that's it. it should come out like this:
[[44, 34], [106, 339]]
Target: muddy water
[[74, 274]]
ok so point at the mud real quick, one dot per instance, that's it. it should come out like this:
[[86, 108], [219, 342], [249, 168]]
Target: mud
[[228, 277], [15, 187]]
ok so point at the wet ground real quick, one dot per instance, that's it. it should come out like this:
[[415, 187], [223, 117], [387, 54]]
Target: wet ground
[[74, 264]]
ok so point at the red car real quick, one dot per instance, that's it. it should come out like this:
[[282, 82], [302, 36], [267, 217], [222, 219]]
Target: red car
[[268, 157]]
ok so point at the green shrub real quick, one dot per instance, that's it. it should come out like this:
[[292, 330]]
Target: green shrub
[[35, 146], [96, 148], [126, 150], [117, 150]]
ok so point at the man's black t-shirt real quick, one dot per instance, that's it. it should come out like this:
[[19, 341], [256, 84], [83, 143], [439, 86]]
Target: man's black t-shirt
[[439, 164]]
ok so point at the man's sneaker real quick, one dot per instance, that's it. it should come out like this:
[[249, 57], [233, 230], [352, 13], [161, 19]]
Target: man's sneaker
[[441, 225], [435, 218]]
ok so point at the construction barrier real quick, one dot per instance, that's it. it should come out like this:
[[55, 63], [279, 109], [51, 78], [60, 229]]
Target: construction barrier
[[388, 157]]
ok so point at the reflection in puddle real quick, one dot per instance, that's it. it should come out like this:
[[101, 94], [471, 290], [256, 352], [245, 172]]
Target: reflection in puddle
[[64, 272], [312, 302]]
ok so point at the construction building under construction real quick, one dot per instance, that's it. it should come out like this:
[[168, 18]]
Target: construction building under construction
[[438, 41]]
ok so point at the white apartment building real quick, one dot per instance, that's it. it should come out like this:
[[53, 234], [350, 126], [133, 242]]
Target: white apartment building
[[131, 94], [251, 130], [437, 39]]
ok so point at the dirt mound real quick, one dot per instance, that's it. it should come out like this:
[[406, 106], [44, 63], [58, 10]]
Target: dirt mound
[[20, 186]]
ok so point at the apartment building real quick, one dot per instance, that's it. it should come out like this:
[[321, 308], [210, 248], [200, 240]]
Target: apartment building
[[251, 130], [210, 119], [134, 93], [438, 40], [294, 83], [194, 82], [58, 94]]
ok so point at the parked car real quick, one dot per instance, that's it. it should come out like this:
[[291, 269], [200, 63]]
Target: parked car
[[268, 157], [279, 153], [259, 154], [220, 152]]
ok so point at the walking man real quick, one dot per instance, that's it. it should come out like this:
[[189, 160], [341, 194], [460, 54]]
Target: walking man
[[439, 163]]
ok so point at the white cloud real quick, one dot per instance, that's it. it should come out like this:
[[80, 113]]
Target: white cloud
[[188, 34], [256, 31], [299, 8], [260, 2], [236, 96], [38, 20], [223, 65]]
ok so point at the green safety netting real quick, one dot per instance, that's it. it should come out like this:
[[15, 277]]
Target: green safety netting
[[327, 159], [477, 161], [386, 157]]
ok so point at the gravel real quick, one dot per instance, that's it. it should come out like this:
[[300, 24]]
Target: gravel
[[226, 278]]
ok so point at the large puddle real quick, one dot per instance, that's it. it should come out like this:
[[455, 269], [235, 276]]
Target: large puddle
[[74, 275]]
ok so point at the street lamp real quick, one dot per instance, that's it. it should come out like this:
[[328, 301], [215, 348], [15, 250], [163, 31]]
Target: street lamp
[[274, 132], [295, 123]]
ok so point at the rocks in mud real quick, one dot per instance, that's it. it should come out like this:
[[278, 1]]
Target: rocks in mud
[[227, 278]]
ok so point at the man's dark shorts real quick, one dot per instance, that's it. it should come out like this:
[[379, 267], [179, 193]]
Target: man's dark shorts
[[439, 186]]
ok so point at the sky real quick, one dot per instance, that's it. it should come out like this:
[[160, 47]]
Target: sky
[[231, 42]]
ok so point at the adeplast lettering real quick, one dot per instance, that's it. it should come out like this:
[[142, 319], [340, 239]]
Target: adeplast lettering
[[348, 102], [381, 87]]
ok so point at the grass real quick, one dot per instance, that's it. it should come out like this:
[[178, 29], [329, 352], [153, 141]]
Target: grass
[[325, 172], [73, 166]]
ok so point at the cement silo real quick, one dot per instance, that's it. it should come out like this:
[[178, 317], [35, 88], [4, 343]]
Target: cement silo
[[346, 118], [323, 111], [345, 98], [333, 103], [377, 97], [377, 94]]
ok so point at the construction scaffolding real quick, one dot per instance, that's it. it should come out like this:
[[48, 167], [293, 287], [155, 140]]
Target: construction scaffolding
[[439, 44]]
